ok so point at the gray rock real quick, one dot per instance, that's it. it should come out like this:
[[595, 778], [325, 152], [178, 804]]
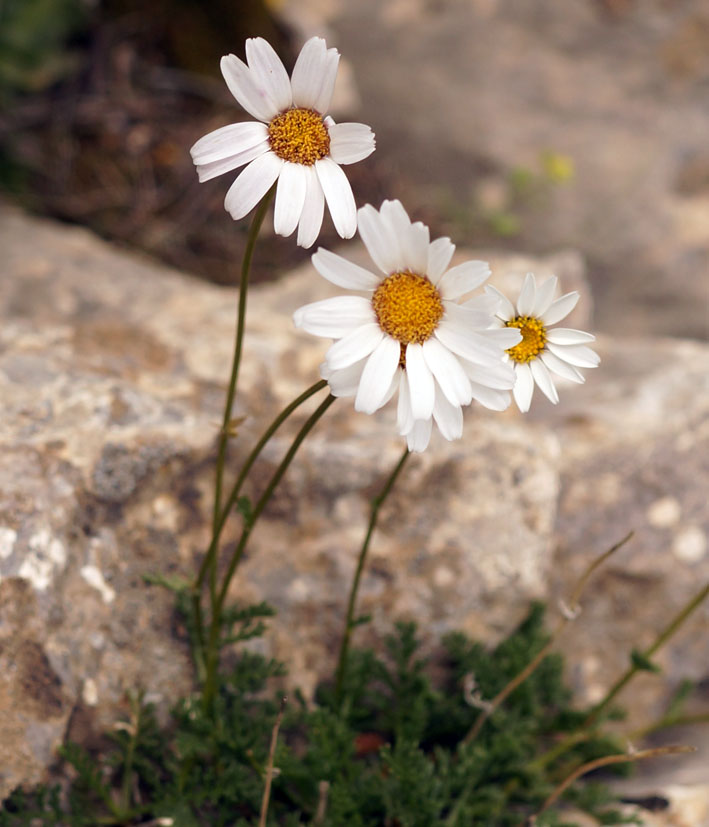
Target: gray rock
[[112, 374], [635, 457]]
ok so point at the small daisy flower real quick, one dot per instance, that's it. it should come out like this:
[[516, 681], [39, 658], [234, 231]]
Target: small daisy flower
[[292, 141], [408, 333], [543, 350]]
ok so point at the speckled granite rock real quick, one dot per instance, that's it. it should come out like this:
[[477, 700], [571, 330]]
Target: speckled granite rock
[[112, 375]]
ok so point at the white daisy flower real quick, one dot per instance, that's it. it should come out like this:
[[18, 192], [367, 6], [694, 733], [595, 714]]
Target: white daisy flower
[[292, 141], [543, 350], [409, 333]]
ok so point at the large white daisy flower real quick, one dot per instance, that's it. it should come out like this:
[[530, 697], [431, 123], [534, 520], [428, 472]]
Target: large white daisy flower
[[543, 350], [408, 332], [293, 141]]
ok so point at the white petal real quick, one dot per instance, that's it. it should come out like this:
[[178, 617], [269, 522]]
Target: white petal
[[448, 372], [499, 377], [506, 309], [404, 415], [579, 355], [543, 379], [394, 386], [527, 295], [463, 317], [350, 142], [334, 318], [545, 296], [463, 278], [244, 87], [413, 239], [524, 387], [269, 73], [440, 253], [494, 400], [377, 376], [313, 210], [228, 140], [290, 198], [503, 337], [375, 233], [568, 336], [205, 172], [469, 345], [338, 195], [421, 385], [420, 435], [560, 308], [484, 303], [562, 368], [343, 382], [342, 272], [313, 77], [449, 418], [354, 346], [252, 184]]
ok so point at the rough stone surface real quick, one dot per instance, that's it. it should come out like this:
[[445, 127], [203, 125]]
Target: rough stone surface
[[111, 385], [635, 457], [112, 376]]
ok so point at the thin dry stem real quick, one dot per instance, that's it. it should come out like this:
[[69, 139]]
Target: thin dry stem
[[269, 764], [572, 611], [323, 790], [608, 760]]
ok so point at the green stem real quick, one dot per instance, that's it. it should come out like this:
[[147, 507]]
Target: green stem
[[210, 686], [210, 556], [133, 731], [576, 737], [377, 503], [661, 639], [254, 229], [667, 723]]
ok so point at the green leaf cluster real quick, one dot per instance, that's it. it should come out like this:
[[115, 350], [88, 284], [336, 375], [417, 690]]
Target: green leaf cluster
[[390, 751]]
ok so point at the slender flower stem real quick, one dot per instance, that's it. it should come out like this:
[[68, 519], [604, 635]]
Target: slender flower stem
[[570, 613], [667, 723], [660, 640], [210, 685], [575, 737], [377, 503], [256, 223], [211, 554]]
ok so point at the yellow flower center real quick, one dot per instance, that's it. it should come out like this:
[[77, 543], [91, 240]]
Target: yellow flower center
[[299, 136], [408, 307], [534, 337]]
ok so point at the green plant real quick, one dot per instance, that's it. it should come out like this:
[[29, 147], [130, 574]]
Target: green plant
[[393, 752]]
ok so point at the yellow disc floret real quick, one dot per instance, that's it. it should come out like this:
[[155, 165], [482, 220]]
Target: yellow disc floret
[[534, 337], [408, 307], [299, 136]]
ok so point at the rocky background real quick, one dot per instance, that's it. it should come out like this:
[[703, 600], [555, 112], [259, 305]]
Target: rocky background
[[112, 374], [111, 385]]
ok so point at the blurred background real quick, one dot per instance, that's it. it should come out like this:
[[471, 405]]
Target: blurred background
[[531, 125]]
